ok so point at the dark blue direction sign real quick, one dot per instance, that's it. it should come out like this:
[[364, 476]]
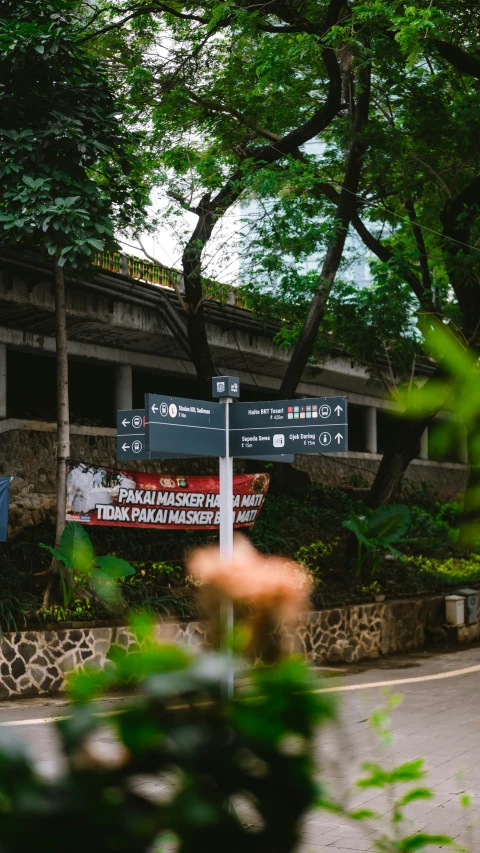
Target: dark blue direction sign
[[182, 426], [132, 440], [313, 425]]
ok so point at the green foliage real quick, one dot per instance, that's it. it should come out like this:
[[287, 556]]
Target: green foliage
[[13, 611], [311, 555], [68, 168], [390, 781], [75, 552], [304, 526], [377, 531], [179, 727], [429, 533], [78, 611], [455, 571], [312, 514], [373, 588]]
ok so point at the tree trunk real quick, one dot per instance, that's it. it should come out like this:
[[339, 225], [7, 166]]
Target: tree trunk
[[63, 419], [197, 333], [63, 416], [311, 325], [346, 208], [404, 445]]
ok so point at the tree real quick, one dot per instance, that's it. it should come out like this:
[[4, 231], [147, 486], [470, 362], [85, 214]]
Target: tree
[[68, 171], [416, 204], [430, 196], [237, 75], [236, 96]]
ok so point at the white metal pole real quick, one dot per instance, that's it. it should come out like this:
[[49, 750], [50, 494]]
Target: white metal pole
[[226, 533]]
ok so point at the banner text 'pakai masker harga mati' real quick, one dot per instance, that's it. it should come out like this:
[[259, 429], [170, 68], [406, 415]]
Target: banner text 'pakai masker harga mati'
[[107, 496]]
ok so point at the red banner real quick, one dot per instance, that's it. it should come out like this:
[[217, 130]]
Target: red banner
[[121, 498]]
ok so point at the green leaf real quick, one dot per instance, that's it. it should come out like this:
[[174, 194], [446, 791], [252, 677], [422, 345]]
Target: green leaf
[[76, 547], [422, 840], [394, 551], [97, 244], [414, 795], [389, 523], [351, 524], [114, 567], [56, 554], [410, 771]]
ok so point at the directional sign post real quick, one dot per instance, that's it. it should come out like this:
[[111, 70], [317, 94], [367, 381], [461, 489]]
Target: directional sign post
[[132, 438], [225, 471], [182, 426], [314, 425], [132, 441], [175, 427]]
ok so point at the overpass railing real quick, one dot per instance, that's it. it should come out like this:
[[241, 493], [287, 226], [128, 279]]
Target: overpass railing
[[145, 270]]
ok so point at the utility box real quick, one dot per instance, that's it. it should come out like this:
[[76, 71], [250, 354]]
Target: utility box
[[471, 604], [455, 609]]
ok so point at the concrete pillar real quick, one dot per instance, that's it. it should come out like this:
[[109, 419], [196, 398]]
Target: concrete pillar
[[123, 387], [371, 429], [424, 445], [3, 381]]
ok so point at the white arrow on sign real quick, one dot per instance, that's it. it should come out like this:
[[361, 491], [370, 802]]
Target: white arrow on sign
[[125, 447], [154, 408], [125, 422], [339, 437], [338, 410]]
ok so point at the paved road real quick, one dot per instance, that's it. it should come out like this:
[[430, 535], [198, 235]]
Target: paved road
[[438, 720]]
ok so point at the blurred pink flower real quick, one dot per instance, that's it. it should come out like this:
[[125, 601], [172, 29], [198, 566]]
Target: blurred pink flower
[[268, 583]]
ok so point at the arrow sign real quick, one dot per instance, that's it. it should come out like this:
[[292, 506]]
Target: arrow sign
[[288, 426], [183, 425], [131, 437]]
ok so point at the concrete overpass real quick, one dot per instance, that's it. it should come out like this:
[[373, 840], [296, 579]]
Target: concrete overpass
[[125, 338]]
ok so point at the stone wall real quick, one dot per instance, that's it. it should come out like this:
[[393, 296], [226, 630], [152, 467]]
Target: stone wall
[[28, 449], [362, 631], [358, 470], [36, 663], [28, 453]]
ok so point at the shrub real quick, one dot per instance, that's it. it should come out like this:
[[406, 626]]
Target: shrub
[[454, 571], [375, 532]]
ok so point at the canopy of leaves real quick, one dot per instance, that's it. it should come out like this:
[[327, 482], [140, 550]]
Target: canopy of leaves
[[68, 170]]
